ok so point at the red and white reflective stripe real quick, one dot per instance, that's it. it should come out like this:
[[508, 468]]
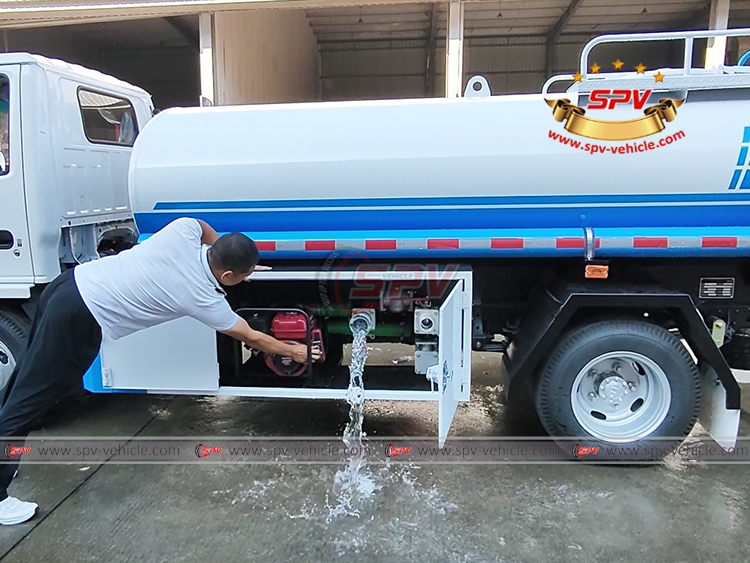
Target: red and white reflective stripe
[[266, 245], [676, 242], [719, 242], [503, 243]]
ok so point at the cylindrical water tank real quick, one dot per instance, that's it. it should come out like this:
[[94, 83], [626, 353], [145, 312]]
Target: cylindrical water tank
[[500, 162]]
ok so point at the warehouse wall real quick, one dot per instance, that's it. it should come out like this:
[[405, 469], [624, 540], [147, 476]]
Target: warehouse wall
[[512, 65], [397, 69], [516, 65], [265, 56], [379, 70]]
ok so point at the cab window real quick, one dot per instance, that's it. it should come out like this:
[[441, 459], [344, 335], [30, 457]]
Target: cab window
[[4, 125], [107, 119]]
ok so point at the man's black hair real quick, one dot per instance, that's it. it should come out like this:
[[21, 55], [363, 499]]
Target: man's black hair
[[235, 252]]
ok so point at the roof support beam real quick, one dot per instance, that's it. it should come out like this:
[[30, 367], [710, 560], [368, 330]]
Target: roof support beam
[[717, 46], [454, 52], [698, 19], [554, 33], [206, 59], [430, 70], [183, 29]]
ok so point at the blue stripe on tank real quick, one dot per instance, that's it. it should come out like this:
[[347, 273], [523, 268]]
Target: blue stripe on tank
[[535, 200], [440, 218]]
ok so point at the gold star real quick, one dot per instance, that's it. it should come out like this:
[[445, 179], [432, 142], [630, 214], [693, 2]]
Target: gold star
[[640, 68], [595, 68], [618, 64], [659, 77], [577, 77]]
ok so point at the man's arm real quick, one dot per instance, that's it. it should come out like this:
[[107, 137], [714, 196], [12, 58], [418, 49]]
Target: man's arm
[[208, 235], [260, 341]]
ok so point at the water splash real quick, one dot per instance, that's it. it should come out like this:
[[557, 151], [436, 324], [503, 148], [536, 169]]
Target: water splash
[[354, 484], [355, 394]]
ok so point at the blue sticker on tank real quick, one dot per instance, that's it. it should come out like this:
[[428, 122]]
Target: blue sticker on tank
[[741, 176]]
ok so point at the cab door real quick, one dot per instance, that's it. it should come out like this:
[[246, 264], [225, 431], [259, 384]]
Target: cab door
[[16, 274]]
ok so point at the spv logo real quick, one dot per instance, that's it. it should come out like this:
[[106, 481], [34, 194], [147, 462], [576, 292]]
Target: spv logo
[[652, 120], [609, 99], [582, 451], [202, 450]]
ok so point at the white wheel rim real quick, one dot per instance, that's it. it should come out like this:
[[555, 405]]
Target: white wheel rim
[[621, 397], [7, 364]]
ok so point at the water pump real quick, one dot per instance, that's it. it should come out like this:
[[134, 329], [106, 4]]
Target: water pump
[[291, 327]]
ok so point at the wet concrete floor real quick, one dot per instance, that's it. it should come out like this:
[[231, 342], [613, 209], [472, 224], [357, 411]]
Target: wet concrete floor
[[674, 512]]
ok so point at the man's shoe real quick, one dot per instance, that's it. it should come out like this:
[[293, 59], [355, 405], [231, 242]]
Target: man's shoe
[[14, 511]]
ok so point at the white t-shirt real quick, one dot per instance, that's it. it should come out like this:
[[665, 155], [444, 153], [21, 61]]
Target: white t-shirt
[[164, 278]]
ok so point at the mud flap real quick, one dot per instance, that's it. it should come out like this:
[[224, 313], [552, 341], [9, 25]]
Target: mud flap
[[721, 423]]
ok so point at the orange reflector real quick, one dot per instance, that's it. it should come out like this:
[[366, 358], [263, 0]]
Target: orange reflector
[[597, 272]]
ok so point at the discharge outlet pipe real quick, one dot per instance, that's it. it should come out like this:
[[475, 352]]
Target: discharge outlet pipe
[[362, 320]]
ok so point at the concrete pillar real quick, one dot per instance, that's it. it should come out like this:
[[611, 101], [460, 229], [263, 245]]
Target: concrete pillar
[[454, 53], [718, 19], [206, 57]]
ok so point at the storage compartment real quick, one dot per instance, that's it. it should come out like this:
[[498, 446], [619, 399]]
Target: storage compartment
[[403, 302]]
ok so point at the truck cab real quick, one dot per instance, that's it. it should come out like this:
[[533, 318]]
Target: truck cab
[[66, 135]]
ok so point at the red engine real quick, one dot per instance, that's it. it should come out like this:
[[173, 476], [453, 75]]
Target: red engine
[[291, 327]]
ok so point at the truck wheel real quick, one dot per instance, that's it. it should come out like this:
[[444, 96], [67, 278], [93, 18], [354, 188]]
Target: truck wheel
[[626, 383], [14, 331]]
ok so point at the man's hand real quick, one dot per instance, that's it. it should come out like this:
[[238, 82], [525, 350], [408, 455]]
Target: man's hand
[[268, 344], [299, 353], [258, 268]]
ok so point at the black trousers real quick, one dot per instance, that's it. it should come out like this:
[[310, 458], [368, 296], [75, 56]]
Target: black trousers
[[64, 342]]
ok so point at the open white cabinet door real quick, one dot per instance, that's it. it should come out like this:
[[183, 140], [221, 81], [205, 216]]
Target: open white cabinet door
[[453, 369], [179, 355]]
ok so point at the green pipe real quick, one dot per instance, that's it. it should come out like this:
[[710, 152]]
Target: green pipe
[[332, 312]]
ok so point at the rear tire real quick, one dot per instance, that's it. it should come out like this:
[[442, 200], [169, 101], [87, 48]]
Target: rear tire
[[619, 383], [14, 332]]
